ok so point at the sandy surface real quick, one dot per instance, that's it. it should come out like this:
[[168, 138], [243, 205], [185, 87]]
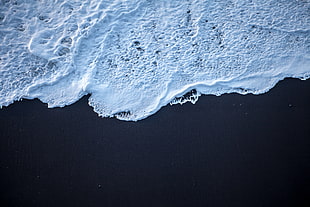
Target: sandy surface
[[231, 150]]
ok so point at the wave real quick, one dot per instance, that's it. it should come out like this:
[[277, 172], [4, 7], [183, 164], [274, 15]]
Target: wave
[[135, 56]]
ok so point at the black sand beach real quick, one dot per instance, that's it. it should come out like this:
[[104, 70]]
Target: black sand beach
[[232, 150]]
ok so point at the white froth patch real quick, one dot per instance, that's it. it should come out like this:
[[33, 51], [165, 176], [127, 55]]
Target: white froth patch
[[134, 57]]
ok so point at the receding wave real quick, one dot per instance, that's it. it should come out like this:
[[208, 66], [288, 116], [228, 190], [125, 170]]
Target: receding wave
[[135, 56]]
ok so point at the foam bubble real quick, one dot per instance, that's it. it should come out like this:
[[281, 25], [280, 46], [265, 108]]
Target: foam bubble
[[134, 57]]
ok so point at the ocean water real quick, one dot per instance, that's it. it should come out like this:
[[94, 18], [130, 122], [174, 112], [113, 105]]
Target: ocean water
[[135, 56]]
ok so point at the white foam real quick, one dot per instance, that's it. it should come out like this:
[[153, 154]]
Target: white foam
[[134, 57]]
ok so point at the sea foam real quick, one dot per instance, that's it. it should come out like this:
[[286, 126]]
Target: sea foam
[[135, 56]]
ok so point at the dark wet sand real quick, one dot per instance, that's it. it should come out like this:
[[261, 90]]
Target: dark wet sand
[[231, 150]]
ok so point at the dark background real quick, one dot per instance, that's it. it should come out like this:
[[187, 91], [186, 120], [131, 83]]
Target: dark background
[[232, 150]]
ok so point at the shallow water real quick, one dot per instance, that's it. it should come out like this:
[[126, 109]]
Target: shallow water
[[134, 57]]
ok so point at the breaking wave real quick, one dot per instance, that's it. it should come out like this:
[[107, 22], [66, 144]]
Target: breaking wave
[[135, 56]]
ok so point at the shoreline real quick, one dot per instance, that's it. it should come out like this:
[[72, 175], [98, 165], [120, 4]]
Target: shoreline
[[192, 100]]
